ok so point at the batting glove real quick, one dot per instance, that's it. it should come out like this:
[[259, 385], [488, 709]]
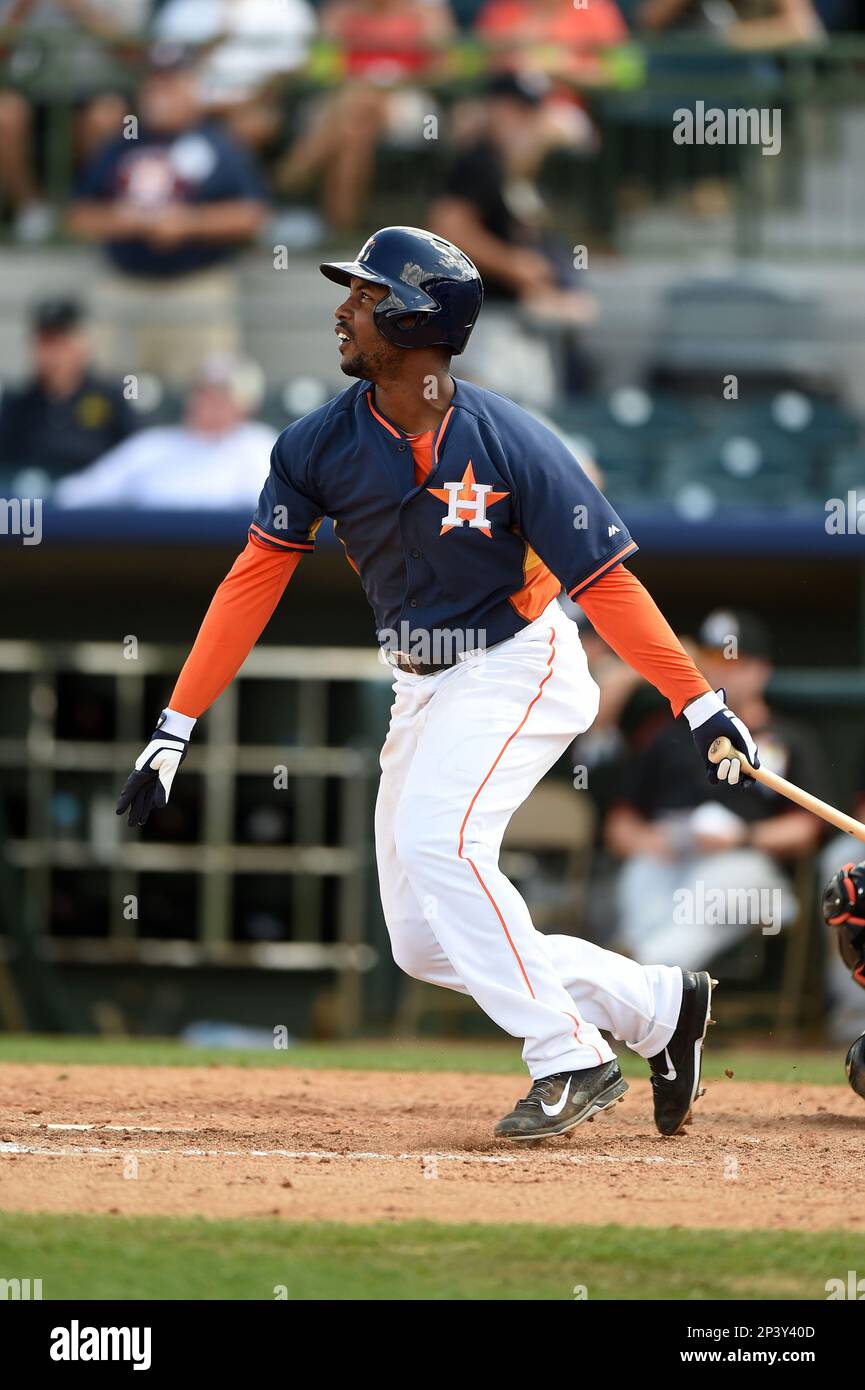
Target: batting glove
[[709, 719], [148, 787]]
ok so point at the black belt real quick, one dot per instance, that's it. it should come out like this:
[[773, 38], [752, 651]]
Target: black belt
[[414, 668], [403, 662]]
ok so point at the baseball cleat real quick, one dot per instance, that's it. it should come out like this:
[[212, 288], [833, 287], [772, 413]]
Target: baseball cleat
[[676, 1070], [559, 1102]]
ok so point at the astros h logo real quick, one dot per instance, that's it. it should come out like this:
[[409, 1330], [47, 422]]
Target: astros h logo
[[467, 502]]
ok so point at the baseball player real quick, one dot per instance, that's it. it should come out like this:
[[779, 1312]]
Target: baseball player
[[844, 910], [465, 519]]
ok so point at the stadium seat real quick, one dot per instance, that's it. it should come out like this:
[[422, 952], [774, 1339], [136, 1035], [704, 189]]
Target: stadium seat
[[759, 333], [628, 431], [847, 472], [816, 422], [624, 460], [727, 468], [628, 408]]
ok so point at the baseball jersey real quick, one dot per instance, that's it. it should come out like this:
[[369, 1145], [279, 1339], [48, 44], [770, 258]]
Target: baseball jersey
[[502, 521]]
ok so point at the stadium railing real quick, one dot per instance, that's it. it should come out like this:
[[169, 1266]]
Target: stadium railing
[[638, 86], [64, 820]]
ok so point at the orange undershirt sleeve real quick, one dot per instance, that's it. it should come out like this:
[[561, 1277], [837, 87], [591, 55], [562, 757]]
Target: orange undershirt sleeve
[[626, 616], [238, 613]]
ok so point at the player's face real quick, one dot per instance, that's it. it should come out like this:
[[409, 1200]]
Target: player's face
[[363, 351]]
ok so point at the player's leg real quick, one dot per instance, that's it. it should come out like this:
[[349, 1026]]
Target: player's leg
[[415, 948], [660, 1011], [640, 1005], [492, 727], [637, 1004]]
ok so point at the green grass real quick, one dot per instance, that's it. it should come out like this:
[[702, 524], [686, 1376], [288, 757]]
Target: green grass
[[821, 1067], [167, 1258]]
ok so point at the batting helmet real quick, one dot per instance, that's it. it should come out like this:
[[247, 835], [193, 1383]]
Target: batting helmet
[[429, 279], [855, 1066], [844, 909]]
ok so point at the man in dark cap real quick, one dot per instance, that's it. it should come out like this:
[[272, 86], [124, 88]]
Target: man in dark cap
[[701, 869], [63, 416]]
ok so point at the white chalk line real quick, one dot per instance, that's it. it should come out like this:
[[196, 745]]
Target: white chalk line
[[312, 1155], [125, 1129]]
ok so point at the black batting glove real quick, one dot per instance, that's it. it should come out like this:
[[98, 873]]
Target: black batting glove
[[148, 786]]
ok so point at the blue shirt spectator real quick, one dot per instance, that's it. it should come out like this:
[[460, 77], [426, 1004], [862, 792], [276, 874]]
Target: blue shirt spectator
[[180, 196]]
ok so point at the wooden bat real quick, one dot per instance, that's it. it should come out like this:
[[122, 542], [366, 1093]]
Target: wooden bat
[[723, 748]]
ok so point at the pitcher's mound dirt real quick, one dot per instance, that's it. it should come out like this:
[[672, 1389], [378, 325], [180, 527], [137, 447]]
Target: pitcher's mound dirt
[[372, 1146]]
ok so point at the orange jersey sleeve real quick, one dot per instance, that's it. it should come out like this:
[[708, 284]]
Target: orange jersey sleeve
[[238, 613], [626, 616]]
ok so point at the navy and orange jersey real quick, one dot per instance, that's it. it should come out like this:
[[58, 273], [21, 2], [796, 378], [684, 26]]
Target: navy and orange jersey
[[504, 519]]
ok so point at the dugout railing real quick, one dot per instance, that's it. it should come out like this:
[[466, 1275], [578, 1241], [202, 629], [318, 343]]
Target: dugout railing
[[60, 817], [58, 789]]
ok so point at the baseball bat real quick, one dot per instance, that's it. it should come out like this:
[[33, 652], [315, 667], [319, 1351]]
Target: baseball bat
[[723, 748]]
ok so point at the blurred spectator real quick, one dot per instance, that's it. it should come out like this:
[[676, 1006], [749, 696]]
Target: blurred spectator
[[80, 69], [216, 458], [172, 208], [491, 206], [388, 47], [755, 24], [840, 16], [63, 416], [686, 844], [249, 44], [557, 36]]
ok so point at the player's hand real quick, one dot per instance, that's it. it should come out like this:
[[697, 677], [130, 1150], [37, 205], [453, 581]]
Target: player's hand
[[149, 785], [709, 719]]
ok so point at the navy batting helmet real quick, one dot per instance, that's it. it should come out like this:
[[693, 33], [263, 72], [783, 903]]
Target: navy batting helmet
[[855, 1066], [429, 279]]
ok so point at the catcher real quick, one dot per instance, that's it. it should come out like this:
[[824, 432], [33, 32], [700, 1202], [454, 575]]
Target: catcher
[[844, 911]]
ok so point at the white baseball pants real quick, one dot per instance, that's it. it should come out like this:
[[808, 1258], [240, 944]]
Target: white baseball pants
[[464, 749]]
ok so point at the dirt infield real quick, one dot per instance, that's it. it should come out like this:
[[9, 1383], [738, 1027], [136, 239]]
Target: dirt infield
[[373, 1146]]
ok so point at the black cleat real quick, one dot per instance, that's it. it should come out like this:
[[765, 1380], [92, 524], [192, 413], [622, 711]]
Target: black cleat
[[559, 1102], [676, 1070]]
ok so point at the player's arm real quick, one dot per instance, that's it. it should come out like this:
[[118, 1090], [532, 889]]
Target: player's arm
[[584, 542], [282, 530], [626, 616], [239, 611]]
